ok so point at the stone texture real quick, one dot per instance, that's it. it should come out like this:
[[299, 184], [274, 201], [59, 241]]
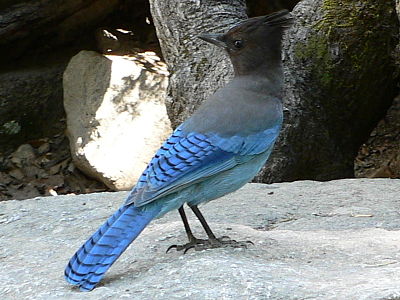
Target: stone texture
[[312, 240], [116, 118]]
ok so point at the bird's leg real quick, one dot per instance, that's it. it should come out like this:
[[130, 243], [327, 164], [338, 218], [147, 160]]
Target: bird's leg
[[186, 224], [193, 241], [201, 244], [203, 222], [214, 242]]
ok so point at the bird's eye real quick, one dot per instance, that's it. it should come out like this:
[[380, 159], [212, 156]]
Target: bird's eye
[[238, 44]]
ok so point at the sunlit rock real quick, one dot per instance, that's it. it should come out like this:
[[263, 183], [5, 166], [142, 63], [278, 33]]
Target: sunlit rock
[[116, 117]]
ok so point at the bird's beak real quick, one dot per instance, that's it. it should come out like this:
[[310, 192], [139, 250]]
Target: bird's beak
[[215, 39]]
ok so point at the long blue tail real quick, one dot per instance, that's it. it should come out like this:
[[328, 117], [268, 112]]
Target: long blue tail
[[88, 265]]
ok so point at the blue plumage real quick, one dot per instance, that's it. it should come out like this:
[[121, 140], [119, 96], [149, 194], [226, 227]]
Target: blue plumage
[[183, 160], [101, 250], [215, 152]]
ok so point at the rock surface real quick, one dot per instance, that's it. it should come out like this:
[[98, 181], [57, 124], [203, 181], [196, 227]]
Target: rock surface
[[116, 117], [312, 240]]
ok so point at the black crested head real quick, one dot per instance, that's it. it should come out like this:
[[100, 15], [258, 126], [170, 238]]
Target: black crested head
[[254, 45]]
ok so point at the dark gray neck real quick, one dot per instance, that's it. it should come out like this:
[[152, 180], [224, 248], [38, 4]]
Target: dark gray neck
[[265, 78], [271, 68]]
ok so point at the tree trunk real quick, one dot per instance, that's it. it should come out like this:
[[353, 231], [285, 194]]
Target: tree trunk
[[262, 7], [338, 68], [340, 80], [197, 69]]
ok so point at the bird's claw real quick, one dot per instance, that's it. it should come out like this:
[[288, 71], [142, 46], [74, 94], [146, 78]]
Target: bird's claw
[[199, 244], [171, 247], [185, 247]]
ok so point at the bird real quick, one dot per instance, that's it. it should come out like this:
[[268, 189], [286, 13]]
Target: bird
[[217, 150]]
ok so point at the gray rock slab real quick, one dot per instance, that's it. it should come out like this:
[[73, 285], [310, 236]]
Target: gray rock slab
[[312, 240]]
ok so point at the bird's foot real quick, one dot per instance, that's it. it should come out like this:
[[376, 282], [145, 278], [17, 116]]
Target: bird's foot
[[194, 243], [200, 244]]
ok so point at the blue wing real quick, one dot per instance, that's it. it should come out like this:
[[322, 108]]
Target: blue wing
[[186, 158]]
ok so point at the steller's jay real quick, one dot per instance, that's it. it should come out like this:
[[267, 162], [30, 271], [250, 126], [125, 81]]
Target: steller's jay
[[216, 151]]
